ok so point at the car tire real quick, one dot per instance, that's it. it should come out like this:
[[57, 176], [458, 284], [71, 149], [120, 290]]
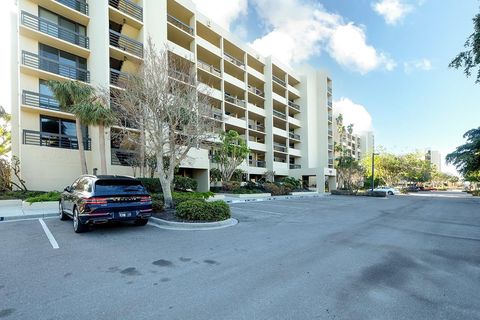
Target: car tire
[[78, 226], [63, 216], [141, 222], [390, 193]]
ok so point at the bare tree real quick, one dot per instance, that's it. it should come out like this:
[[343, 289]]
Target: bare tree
[[170, 109]]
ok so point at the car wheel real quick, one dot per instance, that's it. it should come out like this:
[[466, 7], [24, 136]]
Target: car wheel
[[63, 216], [78, 226], [141, 222], [390, 193]]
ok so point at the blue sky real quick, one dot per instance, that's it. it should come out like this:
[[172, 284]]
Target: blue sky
[[417, 104]]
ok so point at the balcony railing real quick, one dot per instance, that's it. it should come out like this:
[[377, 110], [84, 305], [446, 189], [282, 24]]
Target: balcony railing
[[294, 105], [279, 147], [53, 29], [38, 62], [180, 24], [279, 114], [46, 139], [234, 60], [126, 44], [294, 136], [257, 127], [256, 91], [330, 132], [127, 158], [329, 89], [38, 100], [277, 159], [118, 78], [180, 76], [217, 114], [330, 118], [279, 81], [235, 100], [128, 7], [207, 67], [295, 166], [78, 5], [330, 105], [257, 163], [330, 147]]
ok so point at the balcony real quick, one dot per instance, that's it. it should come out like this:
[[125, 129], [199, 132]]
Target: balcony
[[330, 133], [330, 147], [52, 29], [257, 163], [235, 101], [46, 139], [279, 81], [258, 127], [49, 65], [278, 159], [209, 68], [126, 44], [294, 105], [295, 166], [330, 118], [179, 24], [256, 91], [183, 77], [126, 158], [118, 78], [128, 7], [294, 136], [279, 147], [234, 60], [217, 114], [279, 114], [80, 6], [329, 90], [33, 99], [330, 104]]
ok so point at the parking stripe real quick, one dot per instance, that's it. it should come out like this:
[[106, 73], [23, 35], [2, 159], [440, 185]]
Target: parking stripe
[[50, 236]]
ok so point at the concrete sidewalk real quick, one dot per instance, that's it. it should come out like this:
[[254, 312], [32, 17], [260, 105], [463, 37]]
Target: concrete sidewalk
[[18, 209]]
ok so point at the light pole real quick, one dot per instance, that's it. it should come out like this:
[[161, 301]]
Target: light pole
[[373, 171]]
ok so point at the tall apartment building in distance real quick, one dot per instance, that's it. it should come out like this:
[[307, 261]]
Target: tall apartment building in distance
[[284, 115], [434, 157]]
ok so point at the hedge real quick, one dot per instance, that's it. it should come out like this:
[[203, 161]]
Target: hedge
[[198, 210], [151, 184], [184, 183]]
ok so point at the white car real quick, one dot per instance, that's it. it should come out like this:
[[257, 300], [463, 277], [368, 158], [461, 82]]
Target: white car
[[388, 190]]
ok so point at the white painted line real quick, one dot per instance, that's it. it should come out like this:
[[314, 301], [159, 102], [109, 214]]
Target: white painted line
[[50, 237]]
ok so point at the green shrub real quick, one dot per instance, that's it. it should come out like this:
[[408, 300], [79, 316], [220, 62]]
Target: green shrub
[[22, 195], [237, 175], [184, 183], [197, 210], [157, 202], [276, 189], [50, 196], [230, 186], [152, 185], [292, 183], [179, 197]]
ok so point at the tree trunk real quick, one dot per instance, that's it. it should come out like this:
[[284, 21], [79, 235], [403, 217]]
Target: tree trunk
[[166, 185], [81, 148], [103, 157]]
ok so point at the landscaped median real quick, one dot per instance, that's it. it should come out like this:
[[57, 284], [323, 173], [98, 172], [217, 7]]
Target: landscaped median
[[376, 194]]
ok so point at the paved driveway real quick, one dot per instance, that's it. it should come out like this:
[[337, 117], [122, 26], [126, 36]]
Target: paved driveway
[[403, 257]]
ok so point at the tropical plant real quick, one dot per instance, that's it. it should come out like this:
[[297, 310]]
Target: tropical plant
[[466, 158], [5, 132], [230, 153], [350, 173]]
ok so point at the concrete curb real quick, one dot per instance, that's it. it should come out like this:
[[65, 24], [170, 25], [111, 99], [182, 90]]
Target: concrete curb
[[171, 225], [28, 217], [314, 195]]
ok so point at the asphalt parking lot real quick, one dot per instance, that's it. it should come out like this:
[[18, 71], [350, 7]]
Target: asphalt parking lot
[[405, 257]]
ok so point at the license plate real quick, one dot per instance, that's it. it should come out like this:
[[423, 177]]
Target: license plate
[[125, 214]]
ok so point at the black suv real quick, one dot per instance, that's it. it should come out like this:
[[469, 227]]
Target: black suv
[[101, 199]]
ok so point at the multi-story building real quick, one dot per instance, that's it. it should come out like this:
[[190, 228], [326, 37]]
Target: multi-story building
[[285, 116], [434, 157]]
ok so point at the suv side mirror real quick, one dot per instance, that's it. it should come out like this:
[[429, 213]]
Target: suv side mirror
[[68, 189]]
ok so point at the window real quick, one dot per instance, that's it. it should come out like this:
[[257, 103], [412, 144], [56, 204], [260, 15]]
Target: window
[[60, 27], [84, 184], [46, 99], [60, 133], [62, 63]]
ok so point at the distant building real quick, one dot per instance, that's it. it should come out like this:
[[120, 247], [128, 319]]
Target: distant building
[[367, 143], [434, 157]]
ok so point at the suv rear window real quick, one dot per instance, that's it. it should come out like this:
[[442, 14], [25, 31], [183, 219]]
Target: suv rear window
[[113, 187]]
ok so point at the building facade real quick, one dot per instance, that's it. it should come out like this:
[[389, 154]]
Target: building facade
[[434, 157], [284, 115]]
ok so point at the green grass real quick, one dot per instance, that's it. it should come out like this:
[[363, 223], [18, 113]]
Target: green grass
[[21, 195], [50, 196]]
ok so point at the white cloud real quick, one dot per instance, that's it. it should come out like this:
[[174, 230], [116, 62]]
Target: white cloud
[[222, 12], [422, 64], [353, 113], [393, 11], [299, 29]]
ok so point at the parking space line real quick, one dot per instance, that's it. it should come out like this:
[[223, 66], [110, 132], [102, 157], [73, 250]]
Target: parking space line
[[264, 211], [50, 236]]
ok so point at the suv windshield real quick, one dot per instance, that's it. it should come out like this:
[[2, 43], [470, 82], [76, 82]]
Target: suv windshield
[[111, 187]]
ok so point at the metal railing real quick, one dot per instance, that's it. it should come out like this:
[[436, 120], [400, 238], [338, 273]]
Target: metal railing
[[279, 147], [128, 7], [279, 81], [118, 78], [233, 60], [279, 114], [257, 163], [207, 67], [329, 89], [294, 105], [53, 29], [126, 44], [330, 104], [217, 114], [46, 139], [277, 159], [180, 24], [330, 118], [38, 62], [330, 132], [38, 100], [235, 100], [256, 91], [330, 147], [80, 6], [180, 76], [294, 135], [295, 166], [257, 127], [126, 158]]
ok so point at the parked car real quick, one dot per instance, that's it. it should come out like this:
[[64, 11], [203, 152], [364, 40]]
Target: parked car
[[413, 189], [101, 199], [388, 190]]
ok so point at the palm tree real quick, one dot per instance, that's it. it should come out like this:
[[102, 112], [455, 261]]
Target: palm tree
[[95, 113], [71, 95]]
